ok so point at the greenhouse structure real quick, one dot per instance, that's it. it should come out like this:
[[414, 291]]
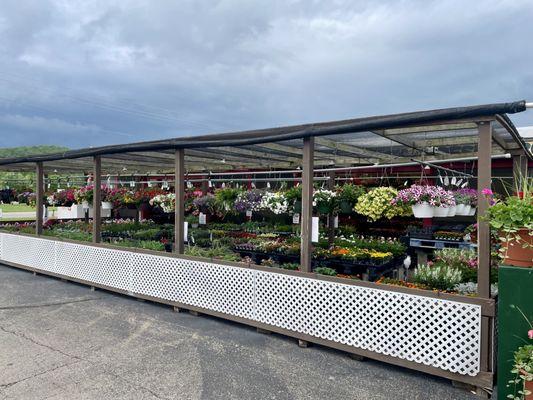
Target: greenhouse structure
[[353, 309]]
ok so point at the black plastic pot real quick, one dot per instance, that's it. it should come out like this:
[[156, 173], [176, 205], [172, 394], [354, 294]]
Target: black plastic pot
[[345, 207], [298, 206]]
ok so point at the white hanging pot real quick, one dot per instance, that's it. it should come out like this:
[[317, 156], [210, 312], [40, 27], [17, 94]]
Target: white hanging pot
[[422, 210], [472, 211], [440, 211], [467, 210], [107, 205], [85, 204], [452, 211], [460, 210]]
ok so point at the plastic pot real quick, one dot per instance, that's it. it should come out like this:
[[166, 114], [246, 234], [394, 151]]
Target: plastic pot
[[423, 210], [516, 254]]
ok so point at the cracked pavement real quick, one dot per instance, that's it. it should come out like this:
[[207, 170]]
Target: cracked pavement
[[59, 340]]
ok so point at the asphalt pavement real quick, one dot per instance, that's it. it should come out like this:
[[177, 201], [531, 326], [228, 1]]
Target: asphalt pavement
[[59, 340]]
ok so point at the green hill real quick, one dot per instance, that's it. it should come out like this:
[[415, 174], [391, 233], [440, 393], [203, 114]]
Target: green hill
[[23, 180], [9, 152]]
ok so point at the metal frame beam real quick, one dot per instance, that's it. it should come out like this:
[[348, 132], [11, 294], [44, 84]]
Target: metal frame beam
[[306, 218], [39, 201], [179, 212], [97, 200]]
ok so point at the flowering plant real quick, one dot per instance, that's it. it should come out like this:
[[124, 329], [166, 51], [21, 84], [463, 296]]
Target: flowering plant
[[62, 198], [275, 202], [441, 197], [418, 194], [378, 203], [144, 196], [439, 276], [167, 202], [248, 201], [205, 204], [325, 200], [85, 193], [466, 196]]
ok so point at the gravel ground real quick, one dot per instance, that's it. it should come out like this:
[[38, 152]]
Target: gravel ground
[[59, 340]]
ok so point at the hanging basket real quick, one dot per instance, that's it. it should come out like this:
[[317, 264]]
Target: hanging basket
[[452, 211], [422, 210], [472, 211], [323, 209], [441, 211], [461, 209], [346, 207], [107, 205], [298, 207]]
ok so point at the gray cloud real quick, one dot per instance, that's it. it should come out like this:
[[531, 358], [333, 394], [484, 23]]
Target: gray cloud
[[89, 73]]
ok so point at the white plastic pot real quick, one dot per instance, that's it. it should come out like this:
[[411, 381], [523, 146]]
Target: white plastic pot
[[107, 205], [472, 211], [423, 210], [460, 210], [452, 211], [440, 211]]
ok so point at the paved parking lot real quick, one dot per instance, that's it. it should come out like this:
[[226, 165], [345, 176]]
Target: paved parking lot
[[59, 340]]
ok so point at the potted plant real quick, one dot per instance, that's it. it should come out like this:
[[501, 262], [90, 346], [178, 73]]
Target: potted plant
[[425, 199], [225, 199], [347, 197], [443, 200], [84, 196], [463, 200], [325, 201], [108, 198], [379, 203], [275, 202], [205, 204], [248, 201], [167, 202], [513, 219], [294, 198]]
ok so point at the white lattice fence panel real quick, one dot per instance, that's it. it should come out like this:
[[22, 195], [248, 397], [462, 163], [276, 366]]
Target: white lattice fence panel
[[221, 288], [436, 332], [107, 267], [32, 252], [440, 333]]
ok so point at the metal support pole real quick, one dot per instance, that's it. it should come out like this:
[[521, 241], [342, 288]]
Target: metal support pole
[[39, 194], [331, 216], [97, 200], [205, 186], [179, 213], [484, 169], [307, 203]]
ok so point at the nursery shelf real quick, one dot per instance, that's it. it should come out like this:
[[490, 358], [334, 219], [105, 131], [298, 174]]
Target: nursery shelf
[[440, 244]]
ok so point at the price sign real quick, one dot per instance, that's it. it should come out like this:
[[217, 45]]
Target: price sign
[[296, 218]]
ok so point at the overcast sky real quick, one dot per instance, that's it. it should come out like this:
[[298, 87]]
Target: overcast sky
[[87, 73]]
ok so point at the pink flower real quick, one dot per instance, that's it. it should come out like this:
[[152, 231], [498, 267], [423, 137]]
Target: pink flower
[[530, 334], [487, 192]]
